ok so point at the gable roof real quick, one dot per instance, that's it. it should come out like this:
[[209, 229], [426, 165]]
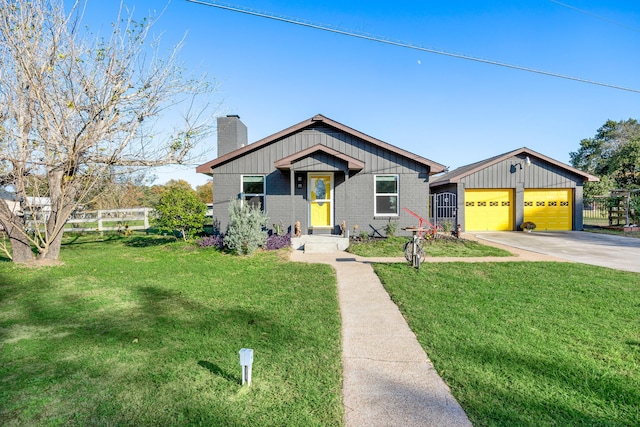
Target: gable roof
[[286, 162], [319, 118], [463, 171]]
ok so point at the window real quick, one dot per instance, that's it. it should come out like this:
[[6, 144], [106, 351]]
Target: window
[[386, 195], [253, 190]]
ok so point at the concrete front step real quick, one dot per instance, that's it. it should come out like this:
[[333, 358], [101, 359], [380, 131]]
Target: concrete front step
[[321, 247], [319, 244]]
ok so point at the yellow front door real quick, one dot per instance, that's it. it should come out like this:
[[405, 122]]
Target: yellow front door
[[320, 200], [488, 210], [549, 209]]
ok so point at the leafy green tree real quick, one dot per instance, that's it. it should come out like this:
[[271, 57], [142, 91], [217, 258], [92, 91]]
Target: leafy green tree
[[178, 183], [626, 165], [205, 192], [613, 155], [180, 209]]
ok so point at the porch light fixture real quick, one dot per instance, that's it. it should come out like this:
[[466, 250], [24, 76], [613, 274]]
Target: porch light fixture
[[246, 361], [527, 162]]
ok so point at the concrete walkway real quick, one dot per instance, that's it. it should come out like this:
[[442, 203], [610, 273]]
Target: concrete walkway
[[388, 380]]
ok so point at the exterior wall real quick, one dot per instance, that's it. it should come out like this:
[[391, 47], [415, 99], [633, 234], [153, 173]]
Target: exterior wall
[[359, 208], [578, 207], [353, 191], [540, 175]]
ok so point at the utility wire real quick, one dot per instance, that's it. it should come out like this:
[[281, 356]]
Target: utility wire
[[586, 12], [407, 45]]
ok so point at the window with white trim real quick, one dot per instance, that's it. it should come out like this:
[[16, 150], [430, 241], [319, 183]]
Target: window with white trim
[[253, 190], [386, 195]]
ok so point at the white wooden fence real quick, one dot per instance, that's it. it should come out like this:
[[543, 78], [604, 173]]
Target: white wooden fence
[[109, 220]]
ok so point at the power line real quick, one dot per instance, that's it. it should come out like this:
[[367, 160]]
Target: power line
[[407, 45], [586, 12]]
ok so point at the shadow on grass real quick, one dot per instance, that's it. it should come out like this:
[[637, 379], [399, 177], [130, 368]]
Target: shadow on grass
[[149, 241], [84, 239], [68, 338], [216, 370], [136, 241], [633, 344]]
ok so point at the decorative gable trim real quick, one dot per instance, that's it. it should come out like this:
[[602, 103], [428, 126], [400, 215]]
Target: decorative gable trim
[[286, 162]]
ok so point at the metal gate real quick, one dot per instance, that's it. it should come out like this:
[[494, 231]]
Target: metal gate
[[444, 208]]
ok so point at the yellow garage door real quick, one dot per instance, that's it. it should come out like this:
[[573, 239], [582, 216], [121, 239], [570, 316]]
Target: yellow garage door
[[488, 210], [549, 209]]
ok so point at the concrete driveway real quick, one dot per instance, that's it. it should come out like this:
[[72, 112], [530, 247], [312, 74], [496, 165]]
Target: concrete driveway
[[621, 253]]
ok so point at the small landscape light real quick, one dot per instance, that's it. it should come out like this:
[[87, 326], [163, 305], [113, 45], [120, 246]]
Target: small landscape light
[[246, 361]]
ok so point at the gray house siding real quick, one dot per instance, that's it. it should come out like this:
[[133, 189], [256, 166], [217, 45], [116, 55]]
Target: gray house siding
[[512, 173], [353, 199], [376, 159]]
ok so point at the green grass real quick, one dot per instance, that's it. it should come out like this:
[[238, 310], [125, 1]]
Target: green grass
[[528, 344], [613, 231], [146, 332], [394, 247]]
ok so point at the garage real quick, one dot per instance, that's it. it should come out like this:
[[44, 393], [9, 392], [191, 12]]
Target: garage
[[489, 209], [502, 192], [549, 209]]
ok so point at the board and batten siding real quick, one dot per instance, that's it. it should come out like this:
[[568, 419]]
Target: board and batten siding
[[376, 159], [353, 191], [540, 175]]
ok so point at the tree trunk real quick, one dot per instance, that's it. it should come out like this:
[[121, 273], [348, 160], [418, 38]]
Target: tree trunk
[[62, 203], [14, 227], [52, 250], [20, 247]]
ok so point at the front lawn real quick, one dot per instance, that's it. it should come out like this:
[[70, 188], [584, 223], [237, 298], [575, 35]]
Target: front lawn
[[145, 331], [528, 344], [442, 247]]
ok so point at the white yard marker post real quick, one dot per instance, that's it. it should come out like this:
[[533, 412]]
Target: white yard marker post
[[246, 361]]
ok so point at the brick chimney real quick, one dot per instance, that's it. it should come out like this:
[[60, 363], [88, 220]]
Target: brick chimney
[[232, 134]]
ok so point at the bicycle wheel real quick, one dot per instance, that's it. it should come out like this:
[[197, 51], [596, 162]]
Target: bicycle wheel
[[408, 251]]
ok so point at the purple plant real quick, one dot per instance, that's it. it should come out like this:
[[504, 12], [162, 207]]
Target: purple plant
[[216, 241], [276, 241]]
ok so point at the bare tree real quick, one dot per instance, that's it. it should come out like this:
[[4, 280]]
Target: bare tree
[[75, 106]]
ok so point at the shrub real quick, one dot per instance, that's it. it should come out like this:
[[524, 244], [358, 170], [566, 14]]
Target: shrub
[[216, 241], [278, 241], [447, 226], [246, 232], [180, 209], [391, 228]]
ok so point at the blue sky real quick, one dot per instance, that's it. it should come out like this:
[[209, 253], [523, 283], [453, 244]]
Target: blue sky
[[450, 110]]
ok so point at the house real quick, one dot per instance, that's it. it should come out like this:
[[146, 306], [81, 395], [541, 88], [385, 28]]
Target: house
[[40, 207], [502, 192], [321, 173]]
